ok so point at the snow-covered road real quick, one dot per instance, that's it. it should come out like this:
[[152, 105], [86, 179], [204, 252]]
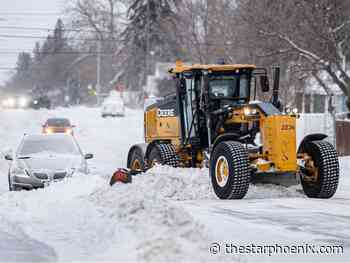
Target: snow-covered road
[[165, 215]]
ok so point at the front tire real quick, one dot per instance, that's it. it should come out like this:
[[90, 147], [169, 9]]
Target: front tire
[[321, 177], [229, 170]]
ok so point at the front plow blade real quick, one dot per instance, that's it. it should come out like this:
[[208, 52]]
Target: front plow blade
[[286, 179]]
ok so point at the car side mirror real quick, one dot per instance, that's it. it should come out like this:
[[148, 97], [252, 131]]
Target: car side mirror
[[88, 156], [8, 157], [264, 83]]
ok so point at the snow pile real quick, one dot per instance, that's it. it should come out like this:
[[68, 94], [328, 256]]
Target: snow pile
[[15, 245], [164, 232]]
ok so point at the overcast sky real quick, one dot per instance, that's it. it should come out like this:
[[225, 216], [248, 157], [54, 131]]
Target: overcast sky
[[23, 13]]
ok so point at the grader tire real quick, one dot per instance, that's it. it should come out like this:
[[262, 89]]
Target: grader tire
[[326, 162], [229, 170], [137, 162], [164, 154]]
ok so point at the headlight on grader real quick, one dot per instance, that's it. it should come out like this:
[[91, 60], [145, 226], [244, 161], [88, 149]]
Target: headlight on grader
[[249, 112], [295, 111]]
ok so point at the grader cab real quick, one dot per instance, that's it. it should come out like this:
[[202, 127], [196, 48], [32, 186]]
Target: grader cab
[[213, 120]]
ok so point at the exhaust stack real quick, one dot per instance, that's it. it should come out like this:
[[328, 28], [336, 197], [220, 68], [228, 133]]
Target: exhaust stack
[[276, 87]]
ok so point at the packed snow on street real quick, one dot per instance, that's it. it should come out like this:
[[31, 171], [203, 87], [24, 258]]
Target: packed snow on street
[[165, 215]]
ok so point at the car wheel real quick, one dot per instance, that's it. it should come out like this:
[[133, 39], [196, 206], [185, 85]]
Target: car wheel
[[10, 183], [11, 187]]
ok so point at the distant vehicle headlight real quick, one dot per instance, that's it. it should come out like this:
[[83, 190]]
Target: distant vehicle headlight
[[69, 131], [48, 130], [23, 102], [11, 102]]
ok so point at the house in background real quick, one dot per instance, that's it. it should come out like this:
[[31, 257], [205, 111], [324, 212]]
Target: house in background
[[312, 98]]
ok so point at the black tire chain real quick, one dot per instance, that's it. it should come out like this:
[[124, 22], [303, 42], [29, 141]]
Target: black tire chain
[[330, 167], [168, 155]]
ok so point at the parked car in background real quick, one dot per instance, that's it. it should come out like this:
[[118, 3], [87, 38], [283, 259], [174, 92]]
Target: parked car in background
[[113, 108], [40, 102], [15, 102], [42, 159], [58, 125]]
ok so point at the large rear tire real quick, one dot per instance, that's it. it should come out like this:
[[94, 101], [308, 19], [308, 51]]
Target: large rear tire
[[229, 170], [322, 170], [164, 154]]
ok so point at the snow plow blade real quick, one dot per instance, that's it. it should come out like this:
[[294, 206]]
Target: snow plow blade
[[287, 179], [123, 176]]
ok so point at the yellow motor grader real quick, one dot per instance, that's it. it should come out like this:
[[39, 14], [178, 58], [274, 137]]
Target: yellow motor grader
[[214, 120]]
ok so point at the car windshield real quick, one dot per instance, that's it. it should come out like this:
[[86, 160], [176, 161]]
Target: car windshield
[[51, 144], [58, 122], [229, 87]]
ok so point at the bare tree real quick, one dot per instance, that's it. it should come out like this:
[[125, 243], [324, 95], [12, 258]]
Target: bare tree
[[312, 33]]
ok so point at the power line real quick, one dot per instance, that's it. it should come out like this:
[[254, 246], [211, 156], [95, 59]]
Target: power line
[[7, 68], [58, 52], [29, 14], [50, 29], [42, 37]]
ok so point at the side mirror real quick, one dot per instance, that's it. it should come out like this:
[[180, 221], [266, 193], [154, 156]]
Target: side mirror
[[8, 157], [264, 83], [88, 156]]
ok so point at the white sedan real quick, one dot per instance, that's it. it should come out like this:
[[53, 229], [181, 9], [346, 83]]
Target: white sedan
[[42, 159], [113, 108]]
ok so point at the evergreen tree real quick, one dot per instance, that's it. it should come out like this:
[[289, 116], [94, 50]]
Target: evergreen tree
[[152, 22]]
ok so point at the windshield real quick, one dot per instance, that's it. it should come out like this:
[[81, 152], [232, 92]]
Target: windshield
[[58, 122], [52, 144], [229, 87]]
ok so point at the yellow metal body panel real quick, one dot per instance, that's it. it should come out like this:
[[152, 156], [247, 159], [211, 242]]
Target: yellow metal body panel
[[180, 67], [161, 128], [279, 141]]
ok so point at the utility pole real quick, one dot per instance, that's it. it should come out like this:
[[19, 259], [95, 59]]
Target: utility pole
[[98, 82], [146, 71]]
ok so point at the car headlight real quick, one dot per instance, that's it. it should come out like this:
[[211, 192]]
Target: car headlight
[[11, 102], [23, 102], [48, 130], [20, 172]]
